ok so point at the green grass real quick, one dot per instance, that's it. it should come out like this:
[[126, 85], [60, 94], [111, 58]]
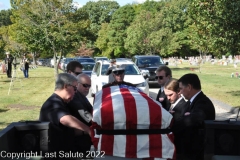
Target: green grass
[[23, 103], [216, 81], [26, 95]]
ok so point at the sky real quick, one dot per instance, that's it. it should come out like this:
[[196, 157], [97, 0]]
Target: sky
[[5, 4]]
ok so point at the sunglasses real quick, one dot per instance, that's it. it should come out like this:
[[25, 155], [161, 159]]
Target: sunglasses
[[159, 77], [118, 72], [85, 85], [74, 87], [77, 73]]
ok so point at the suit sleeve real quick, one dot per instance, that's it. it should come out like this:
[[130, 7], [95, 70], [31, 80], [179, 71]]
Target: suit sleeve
[[197, 116]]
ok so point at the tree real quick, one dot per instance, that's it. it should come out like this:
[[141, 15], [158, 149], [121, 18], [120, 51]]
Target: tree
[[117, 28], [219, 22], [99, 12], [5, 17], [49, 25]]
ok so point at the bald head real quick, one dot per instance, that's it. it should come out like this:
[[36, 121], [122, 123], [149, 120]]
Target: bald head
[[84, 84]]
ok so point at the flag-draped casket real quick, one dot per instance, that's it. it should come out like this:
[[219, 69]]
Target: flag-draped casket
[[131, 124]]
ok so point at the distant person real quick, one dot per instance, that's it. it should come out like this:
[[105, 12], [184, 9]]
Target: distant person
[[163, 74], [191, 125], [81, 108], [74, 68], [63, 125], [118, 75], [25, 66], [178, 107], [8, 63], [109, 71]]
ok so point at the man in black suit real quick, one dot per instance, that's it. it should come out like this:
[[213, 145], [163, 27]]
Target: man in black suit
[[163, 74], [178, 107], [191, 125]]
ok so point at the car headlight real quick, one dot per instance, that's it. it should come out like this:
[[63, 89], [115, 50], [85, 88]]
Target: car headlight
[[145, 72], [143, 84]]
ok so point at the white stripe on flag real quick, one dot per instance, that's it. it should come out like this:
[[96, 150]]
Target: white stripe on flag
[[168, 149], [118, 109], [96, 108], [142, 123], [119, 114]]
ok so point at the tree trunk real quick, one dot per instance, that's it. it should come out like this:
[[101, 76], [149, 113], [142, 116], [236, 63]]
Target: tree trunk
[[34, 58]]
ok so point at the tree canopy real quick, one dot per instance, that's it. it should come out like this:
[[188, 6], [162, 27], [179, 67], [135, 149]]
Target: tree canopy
[[55, 28]]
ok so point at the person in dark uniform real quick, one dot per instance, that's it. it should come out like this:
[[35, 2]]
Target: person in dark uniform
[[178, 107], [8, 62], [118, 74], [81, 108], [63, 125], [163, 74], [191, 125]]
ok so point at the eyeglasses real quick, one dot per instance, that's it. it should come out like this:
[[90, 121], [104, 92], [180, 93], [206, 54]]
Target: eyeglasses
[[118, 72], [74, 87], [159, 77], [77, 73], [85, 85]]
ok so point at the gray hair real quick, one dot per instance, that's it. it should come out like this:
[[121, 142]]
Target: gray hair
[[80, 76], [64, 79]]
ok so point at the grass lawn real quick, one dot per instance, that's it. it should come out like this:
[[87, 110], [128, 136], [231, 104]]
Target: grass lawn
[[23, 103]]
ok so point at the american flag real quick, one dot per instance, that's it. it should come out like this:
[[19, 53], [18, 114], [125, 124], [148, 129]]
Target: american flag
[[128, 108]]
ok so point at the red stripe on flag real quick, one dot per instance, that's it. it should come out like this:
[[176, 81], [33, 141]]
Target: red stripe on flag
[[107, 119], [171, 137], [155, 140], [131, 122]]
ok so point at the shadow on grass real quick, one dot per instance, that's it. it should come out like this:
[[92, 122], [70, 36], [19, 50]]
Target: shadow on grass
[[3, 110], [234, 93], [185, 68]]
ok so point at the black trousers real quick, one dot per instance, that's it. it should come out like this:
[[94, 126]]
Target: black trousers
[[9, 71]]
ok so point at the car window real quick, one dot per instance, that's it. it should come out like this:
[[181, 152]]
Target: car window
[[98, 69], [150, 61], [87, 67], [104, 69], [85, 60], [97, 59], [131, 69], [95, 67]]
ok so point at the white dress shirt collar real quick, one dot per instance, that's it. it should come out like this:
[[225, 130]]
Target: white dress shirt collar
[[191, 100]]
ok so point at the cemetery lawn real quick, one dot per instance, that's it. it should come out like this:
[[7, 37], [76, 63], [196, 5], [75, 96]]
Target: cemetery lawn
[[24, 103]]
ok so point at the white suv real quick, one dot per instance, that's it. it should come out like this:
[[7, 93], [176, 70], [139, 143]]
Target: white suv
[[132, 75]]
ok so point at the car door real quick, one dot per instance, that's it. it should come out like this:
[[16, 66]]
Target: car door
[[94, 76]]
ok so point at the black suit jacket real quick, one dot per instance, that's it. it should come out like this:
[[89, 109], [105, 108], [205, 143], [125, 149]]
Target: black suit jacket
[[191, 127], [180, 109], [165, 103]]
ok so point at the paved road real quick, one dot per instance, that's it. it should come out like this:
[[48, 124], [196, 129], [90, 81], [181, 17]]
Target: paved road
[[223, 111]]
